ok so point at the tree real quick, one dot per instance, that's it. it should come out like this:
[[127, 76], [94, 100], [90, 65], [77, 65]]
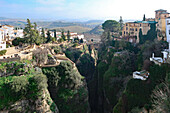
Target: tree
[[43, 35], [141, 41], [111, 25], [19, 86], [55, 35], [152, 33], [40, 56], [108, 36], [49, 38], [68, 35], [63, 36], [81, 40], [161, 98], [35, 26], [60, 40], [144, 19], [31, 34], [76, 40], [121, 22]]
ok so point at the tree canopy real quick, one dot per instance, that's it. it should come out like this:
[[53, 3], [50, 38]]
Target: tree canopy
[[31, 34], [111, 25]]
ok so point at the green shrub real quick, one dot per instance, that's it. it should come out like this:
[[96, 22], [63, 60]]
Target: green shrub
[[36, 86], [17, 41], [19, 85], [49, 55], [3, 52], [75, 45]]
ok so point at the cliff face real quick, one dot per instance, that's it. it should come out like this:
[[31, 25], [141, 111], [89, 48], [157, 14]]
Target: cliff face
[[24, 91], [42, 105], [68, 88], [24, 88], [86, 59]]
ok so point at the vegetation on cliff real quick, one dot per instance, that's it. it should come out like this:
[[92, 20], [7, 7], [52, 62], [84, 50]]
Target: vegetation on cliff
[[67, 88], [19, 92], [117, 92]]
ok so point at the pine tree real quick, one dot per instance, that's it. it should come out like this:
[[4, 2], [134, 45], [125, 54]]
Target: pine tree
[[68, 35], [35, 26], [30, 33], [141, 37], [49, 38], [152, 33], [43, 35], [121, 22], [55, 35], [81, 40], [63, 36], [144, 19]]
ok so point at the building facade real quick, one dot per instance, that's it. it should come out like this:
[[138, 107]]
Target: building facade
[[168, 30], [131, 29], [2, 41], [160, 17]]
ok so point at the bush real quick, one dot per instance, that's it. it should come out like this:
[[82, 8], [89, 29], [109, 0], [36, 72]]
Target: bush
[[3, 52], [49, 55], [40, 56], [19, 85], [75, 45], [17, 41], [57, 49]]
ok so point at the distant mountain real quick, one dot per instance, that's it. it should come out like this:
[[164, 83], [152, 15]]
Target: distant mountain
[[66, 25], [97, 30], [94, 21], [3, 18]]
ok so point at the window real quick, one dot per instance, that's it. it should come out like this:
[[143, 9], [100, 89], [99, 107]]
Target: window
[[124, 33], [140, 25], [165, 16], [169, 32], [126, 24], [136, 29], [126, 28], [132, 29]]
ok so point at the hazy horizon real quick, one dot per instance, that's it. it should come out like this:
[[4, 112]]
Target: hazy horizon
[[80, 9]]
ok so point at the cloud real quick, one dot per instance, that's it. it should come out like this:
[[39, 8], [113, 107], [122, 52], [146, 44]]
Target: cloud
[[50, 2]]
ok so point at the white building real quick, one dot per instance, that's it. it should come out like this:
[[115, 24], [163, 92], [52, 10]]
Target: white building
[[9, 31], [19, 33], [168, 30], [142, 75], [156, 60], [2, 42], [52, 33], [80, 36]]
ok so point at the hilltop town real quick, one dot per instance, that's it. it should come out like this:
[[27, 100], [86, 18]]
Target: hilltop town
[[130, 32], [127, 70]]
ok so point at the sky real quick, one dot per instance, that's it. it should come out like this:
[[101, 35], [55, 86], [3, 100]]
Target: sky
[[81, 9]]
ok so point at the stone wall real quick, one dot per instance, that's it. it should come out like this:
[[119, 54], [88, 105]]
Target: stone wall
[[10, 59]]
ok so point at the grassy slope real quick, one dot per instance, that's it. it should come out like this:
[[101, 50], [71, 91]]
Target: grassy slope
[[77, 29]]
